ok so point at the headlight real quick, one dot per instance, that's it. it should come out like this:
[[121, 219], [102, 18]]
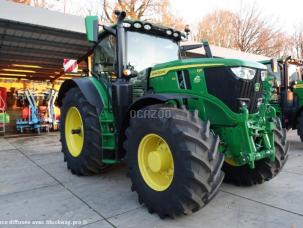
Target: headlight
[[244, 72], [263, 75]]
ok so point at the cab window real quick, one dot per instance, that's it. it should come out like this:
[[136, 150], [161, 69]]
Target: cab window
[[104, 56]]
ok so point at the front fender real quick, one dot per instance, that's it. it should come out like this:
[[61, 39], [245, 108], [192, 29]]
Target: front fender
[[88, 89], [151, 99]]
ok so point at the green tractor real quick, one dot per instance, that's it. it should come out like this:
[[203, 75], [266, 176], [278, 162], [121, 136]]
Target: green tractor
[[287, 97], [178, 124]]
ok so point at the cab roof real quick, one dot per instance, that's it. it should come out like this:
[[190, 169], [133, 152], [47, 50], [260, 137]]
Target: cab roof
[[155, 29]]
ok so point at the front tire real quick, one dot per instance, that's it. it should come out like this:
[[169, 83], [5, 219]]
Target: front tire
[[80, 134], [265, 169], [300, 126], [191, 162]]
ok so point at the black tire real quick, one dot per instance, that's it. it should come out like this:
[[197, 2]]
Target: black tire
[[197, 162], [282, 130], [265, 169], [300, 126], [89, 160]]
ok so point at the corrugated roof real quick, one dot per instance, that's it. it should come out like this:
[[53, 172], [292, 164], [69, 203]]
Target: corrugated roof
[[221, 52], [40, 17], [34, 36]]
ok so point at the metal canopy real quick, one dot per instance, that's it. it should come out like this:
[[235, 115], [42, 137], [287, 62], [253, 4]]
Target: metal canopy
[[221, 52], [31, 49]]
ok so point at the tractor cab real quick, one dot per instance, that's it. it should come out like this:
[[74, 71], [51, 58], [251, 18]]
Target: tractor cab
[[140, 46], [294, 72], [160, 45], [286, 76], [143, 46]]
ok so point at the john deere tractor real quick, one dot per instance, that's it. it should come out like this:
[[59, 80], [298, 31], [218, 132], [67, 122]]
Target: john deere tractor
[[178, 124], [287, 97]]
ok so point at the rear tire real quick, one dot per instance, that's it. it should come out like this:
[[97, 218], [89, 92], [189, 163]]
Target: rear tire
[[265, 169], [88, 162], [197, 163]]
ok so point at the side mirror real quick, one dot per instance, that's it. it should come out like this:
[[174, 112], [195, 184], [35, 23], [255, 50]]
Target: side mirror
[[92, 28], [120, 15], [274, 65]]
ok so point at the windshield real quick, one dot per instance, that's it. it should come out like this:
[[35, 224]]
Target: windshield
[[145, 51], [294, 73]]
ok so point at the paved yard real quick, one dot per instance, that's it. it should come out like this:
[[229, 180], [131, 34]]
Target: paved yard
[[36, 187]]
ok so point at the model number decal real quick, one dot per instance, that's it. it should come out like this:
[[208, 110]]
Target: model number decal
[[160, 72]]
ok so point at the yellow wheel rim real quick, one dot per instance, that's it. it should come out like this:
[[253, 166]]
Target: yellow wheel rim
[[156, 162], [230, 161], [74, 132]]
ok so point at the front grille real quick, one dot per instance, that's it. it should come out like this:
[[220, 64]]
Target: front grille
[[222, 83]]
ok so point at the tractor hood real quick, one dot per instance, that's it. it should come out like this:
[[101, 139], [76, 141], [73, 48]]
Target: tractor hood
[[244, 86], [163, 68]]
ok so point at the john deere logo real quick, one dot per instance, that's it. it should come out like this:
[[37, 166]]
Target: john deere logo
[[257, 87], [197, 79]]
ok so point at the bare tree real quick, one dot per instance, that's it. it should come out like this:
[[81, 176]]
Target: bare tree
[[255, 34], [167, 18], [26, 2], [219, 28], [35, 3], [296, 42], [246, 30], [157, 11], [151, 10], [39, 3], [135, 9]]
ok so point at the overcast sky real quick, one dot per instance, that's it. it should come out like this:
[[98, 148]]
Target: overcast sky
[[283, 14]]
